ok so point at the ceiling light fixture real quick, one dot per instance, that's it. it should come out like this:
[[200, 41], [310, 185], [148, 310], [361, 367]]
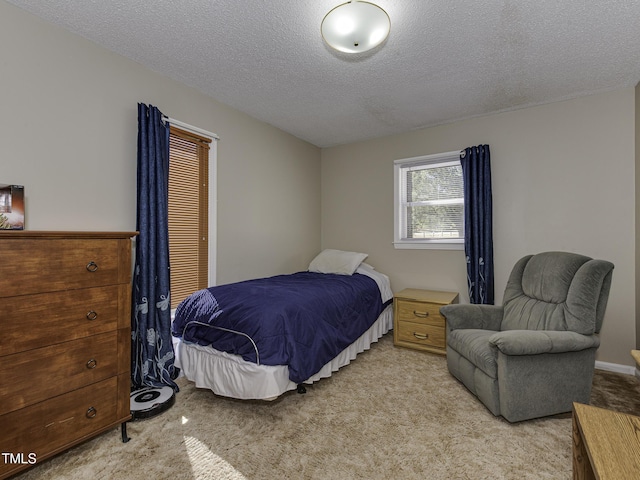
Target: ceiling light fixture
[[355, 27]]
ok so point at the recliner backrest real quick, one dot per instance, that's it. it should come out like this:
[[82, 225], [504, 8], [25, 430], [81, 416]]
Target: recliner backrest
[[557, 291]]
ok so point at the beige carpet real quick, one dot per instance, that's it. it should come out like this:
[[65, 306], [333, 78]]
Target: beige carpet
[[391, 414]]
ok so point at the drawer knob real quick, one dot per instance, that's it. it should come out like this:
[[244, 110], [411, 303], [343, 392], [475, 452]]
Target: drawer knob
[[91, 412], [92, 267], [91, 364], [421, 336], [92, 315], [421, 314]]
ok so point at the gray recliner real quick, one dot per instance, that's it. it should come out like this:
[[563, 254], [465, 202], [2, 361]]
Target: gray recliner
[[534, 355]]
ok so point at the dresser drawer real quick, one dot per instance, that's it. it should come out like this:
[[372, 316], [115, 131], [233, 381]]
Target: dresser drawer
[[45, 265], [30, 377], [419, 312], [43, 319], [50, 426], [421, 334]]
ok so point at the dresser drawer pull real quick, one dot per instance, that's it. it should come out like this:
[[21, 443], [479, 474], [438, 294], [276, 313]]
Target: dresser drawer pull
[[421, 336], [92, 267], [421, 314], [91, 412], [91, 364], [92, 315]]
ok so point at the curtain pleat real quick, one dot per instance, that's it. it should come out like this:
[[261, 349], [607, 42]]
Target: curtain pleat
[[152, 355], [478, 236]]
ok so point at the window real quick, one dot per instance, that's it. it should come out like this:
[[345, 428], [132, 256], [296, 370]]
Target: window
[[188, 213], [429, 202]]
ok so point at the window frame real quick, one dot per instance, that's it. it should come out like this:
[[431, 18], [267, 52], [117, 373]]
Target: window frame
[[400, 240]]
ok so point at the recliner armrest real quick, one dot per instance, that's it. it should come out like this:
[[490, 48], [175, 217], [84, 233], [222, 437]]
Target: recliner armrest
[[534, 342], [461, 316]]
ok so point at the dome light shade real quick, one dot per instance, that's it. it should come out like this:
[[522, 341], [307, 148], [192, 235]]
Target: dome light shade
[[355, 27]]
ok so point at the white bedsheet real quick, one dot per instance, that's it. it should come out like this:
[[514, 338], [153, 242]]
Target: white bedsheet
[[231, 376]]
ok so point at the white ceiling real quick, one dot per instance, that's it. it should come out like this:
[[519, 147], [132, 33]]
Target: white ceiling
[[444, 60]]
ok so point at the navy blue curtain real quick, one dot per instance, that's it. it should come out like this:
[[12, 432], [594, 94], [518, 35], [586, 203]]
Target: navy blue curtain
[[152, 355], [478, 234]]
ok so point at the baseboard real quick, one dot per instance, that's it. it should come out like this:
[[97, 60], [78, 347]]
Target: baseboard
[[616, 367]]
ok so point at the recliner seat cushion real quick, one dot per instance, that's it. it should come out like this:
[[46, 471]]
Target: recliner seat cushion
[[474, 345]]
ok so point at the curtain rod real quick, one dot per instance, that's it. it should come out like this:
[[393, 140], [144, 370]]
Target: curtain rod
[[186, 126]]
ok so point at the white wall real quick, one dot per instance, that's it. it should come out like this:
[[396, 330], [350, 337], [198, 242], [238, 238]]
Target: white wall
[[68, 130], [563, 179]]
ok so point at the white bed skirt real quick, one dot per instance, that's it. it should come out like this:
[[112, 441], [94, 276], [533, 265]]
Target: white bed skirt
[[231, 376]]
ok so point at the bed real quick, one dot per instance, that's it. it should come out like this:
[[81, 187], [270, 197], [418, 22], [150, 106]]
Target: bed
[[260, 338]]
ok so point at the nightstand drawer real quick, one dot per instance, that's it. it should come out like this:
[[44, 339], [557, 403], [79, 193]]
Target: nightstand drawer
[[420, 312], [420, 334]]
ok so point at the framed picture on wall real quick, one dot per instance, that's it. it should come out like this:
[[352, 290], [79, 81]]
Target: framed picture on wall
[[11, 207]]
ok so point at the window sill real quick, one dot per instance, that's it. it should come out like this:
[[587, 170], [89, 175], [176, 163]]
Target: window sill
[[429, 245]]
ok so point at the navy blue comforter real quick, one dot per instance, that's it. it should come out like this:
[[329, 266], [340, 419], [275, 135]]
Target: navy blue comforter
[[301, 320]]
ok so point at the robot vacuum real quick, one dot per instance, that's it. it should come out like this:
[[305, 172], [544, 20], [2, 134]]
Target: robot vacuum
[[148, 402]]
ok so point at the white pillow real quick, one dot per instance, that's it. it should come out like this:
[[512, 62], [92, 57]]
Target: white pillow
[[366, 266], [337, 261]]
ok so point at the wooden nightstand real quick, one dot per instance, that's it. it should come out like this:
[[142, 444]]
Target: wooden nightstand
[[417, 322]]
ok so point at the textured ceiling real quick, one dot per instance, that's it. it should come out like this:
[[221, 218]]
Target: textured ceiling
[[443, 61]]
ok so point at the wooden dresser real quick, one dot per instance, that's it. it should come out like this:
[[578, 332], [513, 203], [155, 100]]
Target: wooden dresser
[[417, 322], [65, 333]]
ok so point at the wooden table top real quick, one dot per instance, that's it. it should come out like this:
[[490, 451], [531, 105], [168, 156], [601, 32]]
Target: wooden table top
[[612, 440]]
